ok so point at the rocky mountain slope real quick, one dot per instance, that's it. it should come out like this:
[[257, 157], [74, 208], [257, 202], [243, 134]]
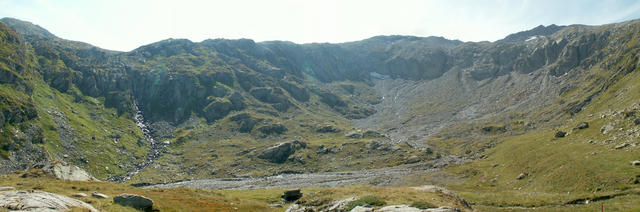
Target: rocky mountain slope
[[177, 109]]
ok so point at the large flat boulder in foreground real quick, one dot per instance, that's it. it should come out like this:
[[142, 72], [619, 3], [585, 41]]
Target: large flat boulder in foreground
[[34, 200]]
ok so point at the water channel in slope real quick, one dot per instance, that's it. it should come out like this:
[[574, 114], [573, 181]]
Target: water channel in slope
[[155, 148]]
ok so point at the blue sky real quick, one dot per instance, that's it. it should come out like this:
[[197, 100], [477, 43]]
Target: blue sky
[[126, 24]]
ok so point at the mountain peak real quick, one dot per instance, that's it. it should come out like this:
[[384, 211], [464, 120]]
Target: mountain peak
[[26, 28], [540, 30]]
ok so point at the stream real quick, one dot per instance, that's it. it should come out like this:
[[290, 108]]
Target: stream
[[155, 148]]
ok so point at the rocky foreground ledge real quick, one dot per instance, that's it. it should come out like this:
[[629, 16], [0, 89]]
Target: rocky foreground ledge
[[34, 200]]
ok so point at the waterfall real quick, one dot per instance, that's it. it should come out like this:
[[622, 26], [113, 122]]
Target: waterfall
[[155, 149]]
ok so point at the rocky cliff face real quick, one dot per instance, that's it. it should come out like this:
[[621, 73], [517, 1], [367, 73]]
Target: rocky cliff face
[[407, 87]]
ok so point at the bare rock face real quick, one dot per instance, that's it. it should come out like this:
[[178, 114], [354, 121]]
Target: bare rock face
[[273, 129], [70, 172], [39, 201], [279, 153]]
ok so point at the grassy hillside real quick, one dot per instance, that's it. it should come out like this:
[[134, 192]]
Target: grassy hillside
[[533, 167], [213, 109]]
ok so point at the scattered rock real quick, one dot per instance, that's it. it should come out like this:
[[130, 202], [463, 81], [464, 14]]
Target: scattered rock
[[292, 195], [635, 162], [606, 128], [275, 205], [494, 129], [362, 209], [560, 134], [245, 122], [245, 151], [296, 91], [217, 109], [7, 188], [296, 208], [372, 134], [446, 192], [326, 128], [99, 195], [298, 159], [583, 125], [428, 151], [279, 153], [399, 208], [366, 134], [521, 176], [79, 195], [393, 147], [373, 145], [442, 209], [271, 129], [323, 150], [273, 96], [133, 200], [34, 173], [353, 134], [629, 114], [34, 200], [622, 146], [412, 159], [340, 205]]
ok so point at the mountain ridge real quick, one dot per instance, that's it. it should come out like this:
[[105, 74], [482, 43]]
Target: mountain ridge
[[410, 89]]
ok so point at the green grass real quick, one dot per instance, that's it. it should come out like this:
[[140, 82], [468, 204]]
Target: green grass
[[366, 201], [422, 205], [583, 165], [88, 119], [188, 199]]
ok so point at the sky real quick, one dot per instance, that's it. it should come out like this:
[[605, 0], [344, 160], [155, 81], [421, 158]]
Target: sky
[[127, 24]]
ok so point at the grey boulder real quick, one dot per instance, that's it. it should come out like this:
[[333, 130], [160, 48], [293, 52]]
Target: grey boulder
[[70, 172], [133, 200], [279, 153]]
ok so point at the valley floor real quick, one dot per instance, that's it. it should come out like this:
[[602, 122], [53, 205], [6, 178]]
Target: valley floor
[[376, 177], [263, 194]]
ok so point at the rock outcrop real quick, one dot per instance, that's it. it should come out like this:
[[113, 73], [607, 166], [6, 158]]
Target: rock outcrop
[[34, 200], [273, 129], [69, 172], [279, 153], [407, 87]]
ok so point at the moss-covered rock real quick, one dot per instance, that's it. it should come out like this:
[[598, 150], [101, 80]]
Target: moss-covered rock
[[217, 109]]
